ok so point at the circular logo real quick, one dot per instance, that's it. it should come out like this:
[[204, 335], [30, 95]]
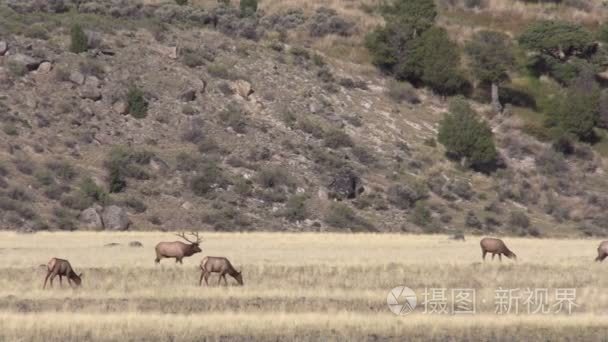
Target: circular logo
[[401, 300]]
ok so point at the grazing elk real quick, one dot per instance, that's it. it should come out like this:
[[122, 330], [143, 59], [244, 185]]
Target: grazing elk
[[178, 249], [219, 265], [62, 268], [495, 246], [602, 251]]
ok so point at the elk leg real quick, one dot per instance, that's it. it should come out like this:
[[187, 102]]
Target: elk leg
[[61, 280], [206, 278], [493, 255], [219, 280], [225, 281], [53, 277], [483, 255], [48, 274], [200, 281], [500, 257]]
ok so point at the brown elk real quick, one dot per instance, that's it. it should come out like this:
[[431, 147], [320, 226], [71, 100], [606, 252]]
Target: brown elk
[[62, 268], [219, 265], [178, 249], [602, 251], [495, 246]]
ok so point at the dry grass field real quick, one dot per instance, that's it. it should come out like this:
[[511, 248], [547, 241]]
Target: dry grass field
[[297, 287]]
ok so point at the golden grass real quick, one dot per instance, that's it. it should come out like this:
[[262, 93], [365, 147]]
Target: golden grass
[[297, 286]]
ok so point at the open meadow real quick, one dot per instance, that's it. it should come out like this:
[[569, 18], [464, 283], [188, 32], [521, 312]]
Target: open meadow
[[297, 286]]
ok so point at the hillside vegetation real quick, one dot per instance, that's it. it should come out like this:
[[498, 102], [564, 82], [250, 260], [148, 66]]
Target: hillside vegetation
[[485, 117]]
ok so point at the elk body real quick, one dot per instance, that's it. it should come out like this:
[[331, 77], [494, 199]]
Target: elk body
[[219, 265], [62, 268], [602, 251], [495, 246], [178, 249]]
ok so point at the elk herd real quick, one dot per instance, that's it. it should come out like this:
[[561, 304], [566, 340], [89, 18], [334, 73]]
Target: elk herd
[[175, 249], [222, 266]]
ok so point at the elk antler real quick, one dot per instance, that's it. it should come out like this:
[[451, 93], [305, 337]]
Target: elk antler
[[195, 234]]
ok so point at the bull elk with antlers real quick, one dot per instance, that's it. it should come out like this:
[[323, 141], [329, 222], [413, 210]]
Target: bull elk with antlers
[[178, 249]]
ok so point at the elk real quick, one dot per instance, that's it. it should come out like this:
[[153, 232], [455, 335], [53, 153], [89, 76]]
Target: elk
[[495, 246], [178, 249], [62, 268], [219, 265], [602, 251]]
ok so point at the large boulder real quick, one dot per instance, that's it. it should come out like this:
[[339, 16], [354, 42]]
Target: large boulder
[[90, 93], [28, 62], [243, 88], [90, 219], [346, 184], [115, 218], [3, 48]]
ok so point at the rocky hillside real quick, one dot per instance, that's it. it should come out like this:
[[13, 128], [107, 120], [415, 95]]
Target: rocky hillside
[[196, 117]]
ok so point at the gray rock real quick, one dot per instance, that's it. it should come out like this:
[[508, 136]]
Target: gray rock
[[90, 219], [45, 67], [3, 48], [188, 95], [93, 39], [243, 88], [121, 107], [29, 62], [90, 93], [115, 218], [77, 77], [135, 244], [92, 81], [346, 184]]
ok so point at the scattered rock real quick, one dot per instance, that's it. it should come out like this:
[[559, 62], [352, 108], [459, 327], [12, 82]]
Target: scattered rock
[[243, 89], [135, 244], [457, 237], [322, 194], [112, 244], [92, 81], [115, 218], [45, 67], [30, 63], [345, 185], [168, 51], [93, 39], [188, 95], [187, 205], [3, 48], [77, 77], [121, 107], [159, 165], [90, 93], [90, 219]]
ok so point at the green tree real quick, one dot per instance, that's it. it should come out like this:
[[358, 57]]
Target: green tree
[[440, 59], [391, 48], [248, 7], [491, 59], [79, 40], [419, 14], [556, 38], [137, 105], [555, 43], [578, 111], [466, 137]]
